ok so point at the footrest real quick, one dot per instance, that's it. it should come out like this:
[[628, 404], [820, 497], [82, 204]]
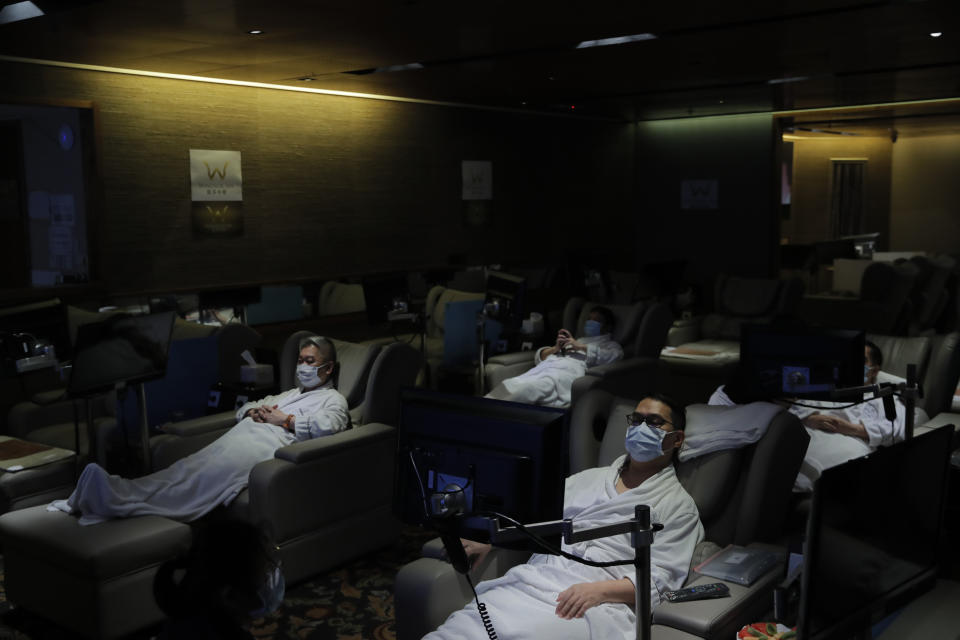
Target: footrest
[[96, 580]]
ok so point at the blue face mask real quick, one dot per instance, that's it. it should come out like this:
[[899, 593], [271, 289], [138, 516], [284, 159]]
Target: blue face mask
[[271, 593], [644, 443], [592, 328]]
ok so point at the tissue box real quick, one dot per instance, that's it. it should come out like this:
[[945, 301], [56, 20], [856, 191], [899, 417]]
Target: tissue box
[[259, 375]]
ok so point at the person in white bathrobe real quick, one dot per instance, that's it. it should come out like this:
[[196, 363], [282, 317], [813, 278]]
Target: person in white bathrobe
[[550, 381], [552, 596], [193, 486], [839, 434]]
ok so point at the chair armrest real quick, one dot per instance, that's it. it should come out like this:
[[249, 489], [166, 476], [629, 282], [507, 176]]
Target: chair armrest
[[722, 617], [515, 357], [337, 476], [198, 426], [678, 335], [319, 448], [428, 590]]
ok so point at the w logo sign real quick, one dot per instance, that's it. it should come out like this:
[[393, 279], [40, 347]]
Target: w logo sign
[[209, 177], [216, 172]]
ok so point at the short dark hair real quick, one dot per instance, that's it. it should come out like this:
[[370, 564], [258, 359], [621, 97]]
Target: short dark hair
[[876, 356], [678, 413], [608, 318], [323, 344]]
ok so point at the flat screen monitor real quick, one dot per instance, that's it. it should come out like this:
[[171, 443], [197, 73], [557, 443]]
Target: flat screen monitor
[[504, 457], [504, 301], [383, 293], [122, 349], [873, 536], [793, 362]]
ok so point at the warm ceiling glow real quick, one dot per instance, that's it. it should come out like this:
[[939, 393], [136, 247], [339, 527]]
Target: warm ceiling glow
[[282, 87], [19, 11]]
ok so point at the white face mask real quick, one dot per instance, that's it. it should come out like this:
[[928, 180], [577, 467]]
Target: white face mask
[[644, 443], [308, 375]]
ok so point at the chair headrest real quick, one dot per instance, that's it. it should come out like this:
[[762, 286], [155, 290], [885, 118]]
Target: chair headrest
[[626, 320]]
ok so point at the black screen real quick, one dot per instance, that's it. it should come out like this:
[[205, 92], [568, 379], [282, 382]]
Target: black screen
[[504, 300], [508, 457], [873, 535], [384, 293], [800, 363], [120, 349]]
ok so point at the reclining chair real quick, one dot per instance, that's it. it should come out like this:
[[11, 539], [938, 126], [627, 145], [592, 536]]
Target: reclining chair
[[98, 580], [49, 419], [339, 525], [743, 496], [708, 347], [640, 328]]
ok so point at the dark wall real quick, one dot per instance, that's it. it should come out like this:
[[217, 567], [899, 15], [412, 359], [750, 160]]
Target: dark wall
[[739, 237], [332, 185]]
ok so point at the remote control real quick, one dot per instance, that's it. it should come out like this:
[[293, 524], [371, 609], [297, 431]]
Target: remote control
[[699, 592]]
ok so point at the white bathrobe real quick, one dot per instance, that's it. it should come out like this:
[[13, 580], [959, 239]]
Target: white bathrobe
[[828, 449], [194, 485], [522, 604], [550, 382]]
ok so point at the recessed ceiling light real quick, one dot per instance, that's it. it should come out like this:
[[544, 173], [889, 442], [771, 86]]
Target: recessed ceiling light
[[936, 34], [306, 79], [255, 32], [19, 11], [606, 42]]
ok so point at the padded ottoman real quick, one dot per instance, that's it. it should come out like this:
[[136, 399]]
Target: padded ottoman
[[95, 580], [38, 485]]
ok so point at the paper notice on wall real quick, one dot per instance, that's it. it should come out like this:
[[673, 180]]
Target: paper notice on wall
[[215, 176], [477, 179], [699, 194], [62, 210], [61, 246], [39, 205]]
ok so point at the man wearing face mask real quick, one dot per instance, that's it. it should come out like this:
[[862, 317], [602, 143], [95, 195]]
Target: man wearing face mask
[[550, 381], [194, 485], [838, 432], [553, 596]]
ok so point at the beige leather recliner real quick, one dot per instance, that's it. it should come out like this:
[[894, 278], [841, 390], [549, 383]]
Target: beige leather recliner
[[640, 329], [325, 501], [743, 496]]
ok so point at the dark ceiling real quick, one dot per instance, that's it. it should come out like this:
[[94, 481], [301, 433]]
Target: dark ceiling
[[707, 58]]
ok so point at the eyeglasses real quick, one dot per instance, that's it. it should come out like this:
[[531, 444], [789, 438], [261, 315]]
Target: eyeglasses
[[653, 419]]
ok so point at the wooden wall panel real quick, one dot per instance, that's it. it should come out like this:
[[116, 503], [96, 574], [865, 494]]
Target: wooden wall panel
[[334, 185]]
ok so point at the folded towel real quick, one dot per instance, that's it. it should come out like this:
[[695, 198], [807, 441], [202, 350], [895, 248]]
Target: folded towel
[[716, 428]]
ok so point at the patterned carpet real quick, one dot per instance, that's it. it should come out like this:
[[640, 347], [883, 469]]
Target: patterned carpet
[[352, 602]]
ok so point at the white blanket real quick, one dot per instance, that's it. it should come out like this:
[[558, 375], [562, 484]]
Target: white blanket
[[827, 449], [550, 382], [196, 484], [522, 604], [187, 489], [721, 426]]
